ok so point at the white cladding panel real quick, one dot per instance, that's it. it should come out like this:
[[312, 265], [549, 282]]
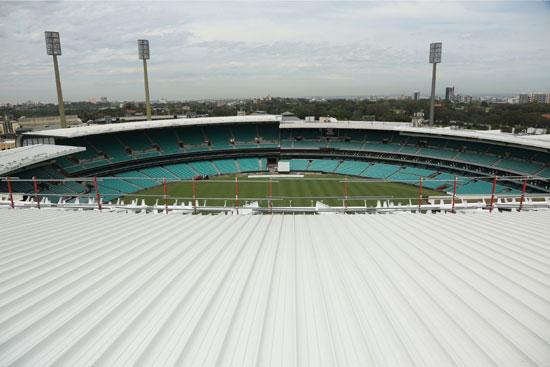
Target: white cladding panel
[[283, 166]]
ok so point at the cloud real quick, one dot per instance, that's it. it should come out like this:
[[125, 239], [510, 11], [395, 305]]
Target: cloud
[[228, 49]]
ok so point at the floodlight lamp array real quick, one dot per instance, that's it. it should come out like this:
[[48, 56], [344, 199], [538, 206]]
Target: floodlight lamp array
[[53, 43], [143, 49], [435, 52]]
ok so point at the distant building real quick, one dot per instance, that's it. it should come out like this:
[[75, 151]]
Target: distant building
[[523, 98], [416, 96], [534, 98], [463, 99], [418, 119], [7, 144], [6, 127], [450, 94], [539, 98], [47, 121]]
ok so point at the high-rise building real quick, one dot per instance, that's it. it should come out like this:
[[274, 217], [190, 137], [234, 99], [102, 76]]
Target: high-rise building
[[450, 94], [416, 96]]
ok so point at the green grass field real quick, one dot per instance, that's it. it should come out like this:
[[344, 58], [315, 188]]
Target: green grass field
[[302, 192]]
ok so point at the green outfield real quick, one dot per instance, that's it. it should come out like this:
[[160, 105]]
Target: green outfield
[[329, 189]]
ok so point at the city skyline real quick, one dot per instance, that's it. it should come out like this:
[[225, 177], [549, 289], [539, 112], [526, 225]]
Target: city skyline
[[240, 50]]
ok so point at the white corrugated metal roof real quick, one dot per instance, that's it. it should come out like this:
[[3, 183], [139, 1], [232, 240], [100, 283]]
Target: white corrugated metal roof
[[538, 141], [83, 288], [74, 132], [13, 159]]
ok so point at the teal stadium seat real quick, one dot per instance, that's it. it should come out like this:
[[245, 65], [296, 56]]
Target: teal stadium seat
[[380, 170], [299, 164], [248, 164], [204, 168], [181, 171], [323, 165], [166, 139], [158, 172], [226, 166], [352, 168], [520, 166], [140, 179]]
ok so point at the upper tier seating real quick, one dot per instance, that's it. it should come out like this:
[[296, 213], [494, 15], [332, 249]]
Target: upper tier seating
[[520, 166]]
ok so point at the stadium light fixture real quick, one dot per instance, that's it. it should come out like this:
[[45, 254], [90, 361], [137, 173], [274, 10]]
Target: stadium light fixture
[[143, 53], [435, 58], [53, 48]]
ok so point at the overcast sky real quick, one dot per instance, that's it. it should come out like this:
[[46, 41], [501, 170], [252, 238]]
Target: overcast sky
[[246, 49]]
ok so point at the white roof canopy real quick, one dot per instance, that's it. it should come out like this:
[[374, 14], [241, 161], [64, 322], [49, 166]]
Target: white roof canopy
[[536, 141], [74, 132], [13, 159]]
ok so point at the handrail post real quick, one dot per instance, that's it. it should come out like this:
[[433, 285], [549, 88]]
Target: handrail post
[[36, 198], [165, 196], [97, 194], [194, 188], [493, 195], [345, 194], [271, 195], [522, 195], [237, 194], [420, 194], [10, 191], [454, 196]]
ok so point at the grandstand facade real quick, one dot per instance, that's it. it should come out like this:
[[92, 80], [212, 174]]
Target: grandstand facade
[[140, 155]]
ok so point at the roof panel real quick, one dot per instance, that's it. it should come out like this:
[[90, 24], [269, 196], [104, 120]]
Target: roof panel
[[74, 132], [118, 289], [13, 159]]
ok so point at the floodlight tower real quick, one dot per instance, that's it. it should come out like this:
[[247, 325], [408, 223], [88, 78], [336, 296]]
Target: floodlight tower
[[435, 58], [143, 51], [53, 47]]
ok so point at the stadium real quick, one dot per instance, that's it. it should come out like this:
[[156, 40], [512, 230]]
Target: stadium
[[342, 162], [274, 240]]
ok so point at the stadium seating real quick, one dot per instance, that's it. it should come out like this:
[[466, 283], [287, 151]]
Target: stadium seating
[[139, 179], [299, 164], [544, 173], [204, 168], [167, 140], [323, 165], [248, 164], [181, 170], [380, 170], [157, 172], [520, 166], [226, 166], [352, 168], [245, 133]]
